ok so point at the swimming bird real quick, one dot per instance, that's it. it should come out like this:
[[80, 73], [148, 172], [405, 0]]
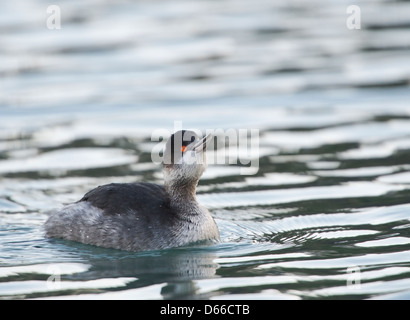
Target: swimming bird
[[144, 216]]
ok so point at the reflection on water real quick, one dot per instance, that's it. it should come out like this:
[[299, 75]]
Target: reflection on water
[[78, 106]]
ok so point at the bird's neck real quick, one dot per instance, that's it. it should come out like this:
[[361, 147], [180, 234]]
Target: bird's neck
[[182, 196]]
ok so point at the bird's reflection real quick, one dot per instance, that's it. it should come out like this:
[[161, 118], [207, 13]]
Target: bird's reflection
[[177, 268]]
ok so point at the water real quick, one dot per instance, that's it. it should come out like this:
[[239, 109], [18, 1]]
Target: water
[[326, 216]]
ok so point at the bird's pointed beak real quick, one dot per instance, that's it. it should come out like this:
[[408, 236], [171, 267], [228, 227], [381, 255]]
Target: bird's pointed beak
[[201, 145]]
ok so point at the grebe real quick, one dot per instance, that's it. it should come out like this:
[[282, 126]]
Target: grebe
[[144, 216]]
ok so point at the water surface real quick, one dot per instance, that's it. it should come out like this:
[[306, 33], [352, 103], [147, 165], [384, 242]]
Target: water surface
[[326, 216]]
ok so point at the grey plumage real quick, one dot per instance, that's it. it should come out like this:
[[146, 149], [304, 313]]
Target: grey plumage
[[142, 216]]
